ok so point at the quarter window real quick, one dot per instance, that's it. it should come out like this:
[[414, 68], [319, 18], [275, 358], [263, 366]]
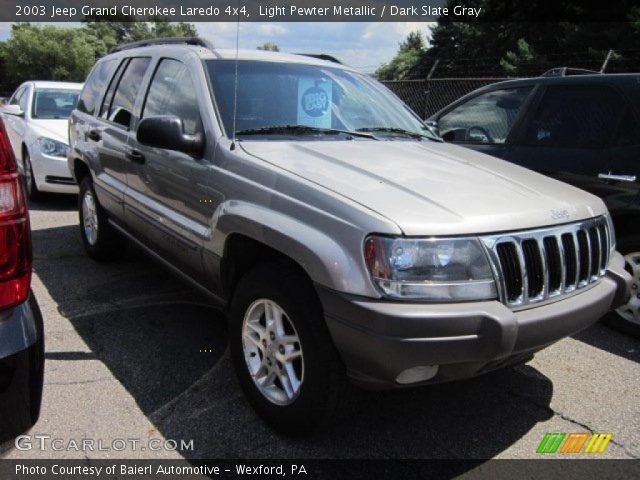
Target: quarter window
[[172, 93], [487, 118], [575, 117]]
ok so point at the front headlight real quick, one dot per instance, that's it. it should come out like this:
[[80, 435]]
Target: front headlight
[[430, 269], [52, 147]]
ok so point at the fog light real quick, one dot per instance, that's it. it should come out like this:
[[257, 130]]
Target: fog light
[[417, 374]]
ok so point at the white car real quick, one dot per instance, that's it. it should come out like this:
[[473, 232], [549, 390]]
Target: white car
[[36, 119]]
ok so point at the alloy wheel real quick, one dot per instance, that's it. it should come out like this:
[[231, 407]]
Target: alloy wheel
[[272, 352], [90, 218], [631, 311]]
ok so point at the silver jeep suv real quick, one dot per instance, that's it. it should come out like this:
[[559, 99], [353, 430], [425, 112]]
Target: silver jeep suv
[[344, 238]]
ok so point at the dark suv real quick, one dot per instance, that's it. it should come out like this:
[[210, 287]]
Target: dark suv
[[581, 129]]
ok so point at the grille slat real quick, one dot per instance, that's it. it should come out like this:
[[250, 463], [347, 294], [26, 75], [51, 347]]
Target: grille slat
[[554, 264], [584, 257], [537, 265]]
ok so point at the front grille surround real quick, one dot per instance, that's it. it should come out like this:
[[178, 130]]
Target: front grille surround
[[547, 264]]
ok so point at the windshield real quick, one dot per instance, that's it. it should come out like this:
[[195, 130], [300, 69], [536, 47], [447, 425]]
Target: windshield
[[278, 94], [49, 103]]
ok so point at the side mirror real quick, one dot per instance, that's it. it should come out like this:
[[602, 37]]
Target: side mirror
[[167, 131], [433, 125], [14, 110]]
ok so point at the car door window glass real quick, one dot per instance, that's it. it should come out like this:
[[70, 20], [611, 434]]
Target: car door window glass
[[24, 99], [487, 118], [94, 86], [172, 93], [126, 92], [628, 131], [575, 117], [15, 100], [104, 109]]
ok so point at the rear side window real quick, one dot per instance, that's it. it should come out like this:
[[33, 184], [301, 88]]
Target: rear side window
[[576, 117], [94, 86], [172, 93], [487, 118], [124, 97]]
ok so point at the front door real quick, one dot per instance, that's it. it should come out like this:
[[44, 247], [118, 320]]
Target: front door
[[167, 196]]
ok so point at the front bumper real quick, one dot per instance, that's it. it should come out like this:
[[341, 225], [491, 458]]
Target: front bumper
[[378, 340], [52, 174]]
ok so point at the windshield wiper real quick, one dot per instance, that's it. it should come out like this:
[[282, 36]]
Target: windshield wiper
[[400, 131], [302, 130]]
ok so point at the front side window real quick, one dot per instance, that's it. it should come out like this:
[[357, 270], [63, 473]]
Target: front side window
[[172, 93], [575, 117], [15, 99], [120, 108], [487, 118], [94, 86], [53, 103], [274, 94]]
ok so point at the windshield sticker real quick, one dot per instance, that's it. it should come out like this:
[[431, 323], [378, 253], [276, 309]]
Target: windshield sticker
[[314, 102]]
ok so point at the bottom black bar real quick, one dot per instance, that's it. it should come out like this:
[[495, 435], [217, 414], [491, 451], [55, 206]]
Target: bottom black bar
[[311, 469]]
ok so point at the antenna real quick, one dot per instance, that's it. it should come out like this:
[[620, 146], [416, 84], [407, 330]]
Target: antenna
[[235, 83]]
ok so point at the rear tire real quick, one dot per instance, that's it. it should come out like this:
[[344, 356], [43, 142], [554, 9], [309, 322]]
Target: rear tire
[[101, 241], [278, 293]]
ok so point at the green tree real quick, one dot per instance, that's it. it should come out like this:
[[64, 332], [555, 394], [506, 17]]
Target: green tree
[[46, 53], [105, 35], [407, 59], [269, 46], [514, 45]]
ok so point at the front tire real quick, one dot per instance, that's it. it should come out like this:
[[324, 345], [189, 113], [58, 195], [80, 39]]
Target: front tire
[[627, 318], [282, 352], [101, 241], [29, 179]]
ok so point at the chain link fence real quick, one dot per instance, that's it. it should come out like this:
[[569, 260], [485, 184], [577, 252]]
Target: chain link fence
[[427, 96]]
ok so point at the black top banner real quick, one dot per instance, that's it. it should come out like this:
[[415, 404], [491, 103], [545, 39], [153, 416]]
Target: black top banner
[[318, 10]]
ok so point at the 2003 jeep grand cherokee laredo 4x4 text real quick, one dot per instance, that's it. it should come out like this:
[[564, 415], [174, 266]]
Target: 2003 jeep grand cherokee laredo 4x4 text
[[345, 239]]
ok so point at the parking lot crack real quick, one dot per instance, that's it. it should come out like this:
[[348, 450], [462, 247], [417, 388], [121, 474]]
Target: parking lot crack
[[563, 416], [79, 382]]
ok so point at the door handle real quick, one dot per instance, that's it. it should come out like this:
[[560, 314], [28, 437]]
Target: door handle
[[136, 156], [94, 135], [617, 178]]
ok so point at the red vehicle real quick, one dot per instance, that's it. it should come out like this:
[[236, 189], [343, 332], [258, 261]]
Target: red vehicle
[[21, 327]]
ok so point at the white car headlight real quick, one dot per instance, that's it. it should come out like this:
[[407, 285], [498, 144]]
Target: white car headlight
[[430, 269], [52, 147]]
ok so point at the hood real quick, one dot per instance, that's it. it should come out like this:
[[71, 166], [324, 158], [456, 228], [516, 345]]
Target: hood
[[429, 188], [57, 129]]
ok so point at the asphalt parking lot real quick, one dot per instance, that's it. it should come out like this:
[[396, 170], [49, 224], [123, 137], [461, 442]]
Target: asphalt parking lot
[[134, 353]]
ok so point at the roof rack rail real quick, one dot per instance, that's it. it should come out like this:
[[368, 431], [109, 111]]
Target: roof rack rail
[[165, 41], [567, 71], [321, 56]]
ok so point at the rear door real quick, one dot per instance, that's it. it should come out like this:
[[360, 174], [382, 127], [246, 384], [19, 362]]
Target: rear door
[[113, 129], [484, 122], [167, 198], [567, 135]]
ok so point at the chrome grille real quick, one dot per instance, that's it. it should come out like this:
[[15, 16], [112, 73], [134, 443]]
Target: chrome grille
[[539, 265]]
